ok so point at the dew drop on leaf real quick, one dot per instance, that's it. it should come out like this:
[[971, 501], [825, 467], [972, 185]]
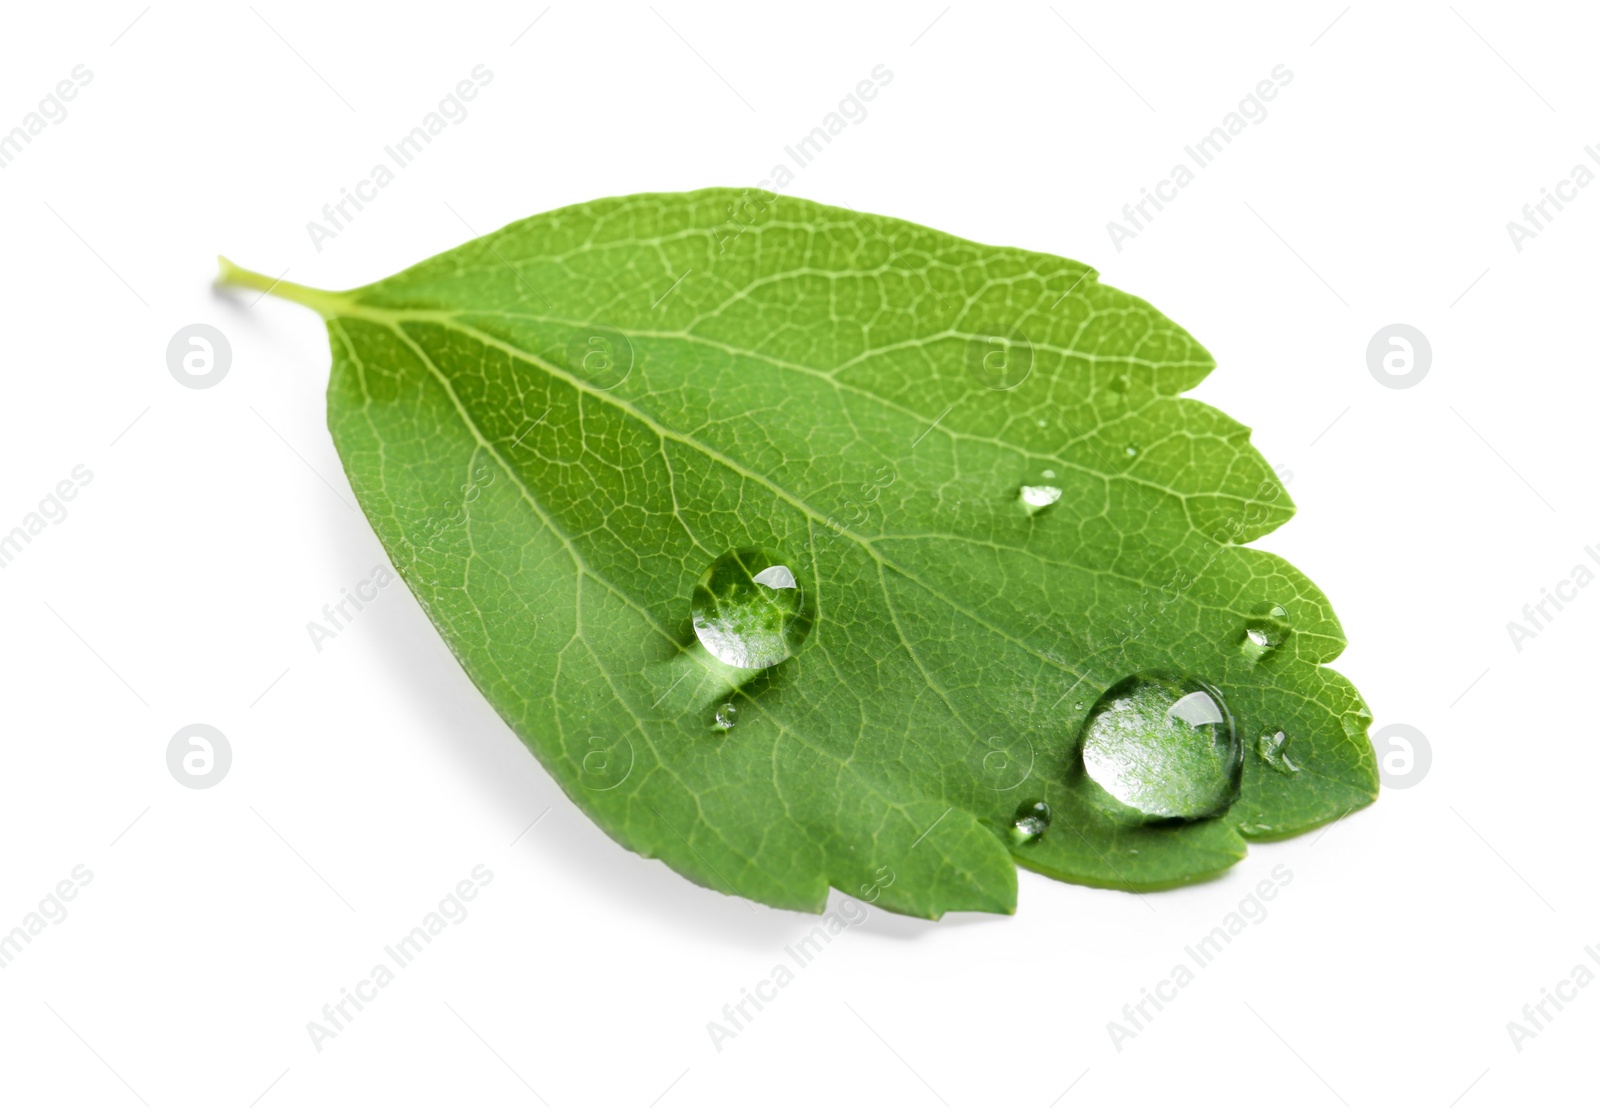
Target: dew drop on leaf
[[1038, 498], [725, 717], [1257, 643], [1264, 634], [1163, 745], [1271, 746], [750, 611], [1030, 823]]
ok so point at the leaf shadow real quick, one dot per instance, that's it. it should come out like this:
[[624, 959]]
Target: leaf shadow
[[444, 704]]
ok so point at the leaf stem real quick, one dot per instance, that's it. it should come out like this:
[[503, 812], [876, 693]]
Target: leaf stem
[[326, 302]]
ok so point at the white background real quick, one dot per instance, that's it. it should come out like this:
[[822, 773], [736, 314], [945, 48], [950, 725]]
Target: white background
[[370, 777]]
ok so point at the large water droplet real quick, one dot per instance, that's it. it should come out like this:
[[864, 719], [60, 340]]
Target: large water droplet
[[1030, 823], [1271, 746], [1163, 745], [750, 610]]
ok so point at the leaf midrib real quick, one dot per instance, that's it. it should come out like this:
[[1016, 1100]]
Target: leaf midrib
[[393, 321]]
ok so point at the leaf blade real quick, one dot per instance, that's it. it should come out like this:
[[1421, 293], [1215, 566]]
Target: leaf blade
[[812, 392]]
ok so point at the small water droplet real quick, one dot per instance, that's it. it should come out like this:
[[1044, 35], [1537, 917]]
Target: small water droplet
[[1257, 643], [1079, 705], [1036, 498], [725, 717], [1043, 423], [750, 611], [1271, 746], [1264, 634], [1030, 823], [1163, 745], [1131, 450]]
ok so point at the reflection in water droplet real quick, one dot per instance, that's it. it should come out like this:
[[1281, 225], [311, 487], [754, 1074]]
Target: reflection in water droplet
[[1036, 498], [726, 716], [1163, 745], [775, 576], [1030, 823], [750, 611], [1271, 747]]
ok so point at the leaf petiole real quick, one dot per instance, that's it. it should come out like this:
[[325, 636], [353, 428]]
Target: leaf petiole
[[329, 303]]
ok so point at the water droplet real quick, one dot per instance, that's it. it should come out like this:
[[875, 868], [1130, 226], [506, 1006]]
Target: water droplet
[[1079, 706], [750, 611], [726, 716], [1271, 747], [1036, 498], [1257, 643], [1030, 823], [1131, 450], [1265, 633], [1163, 745]]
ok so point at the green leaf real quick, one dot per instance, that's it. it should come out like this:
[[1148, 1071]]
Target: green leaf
[[555, 431]]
